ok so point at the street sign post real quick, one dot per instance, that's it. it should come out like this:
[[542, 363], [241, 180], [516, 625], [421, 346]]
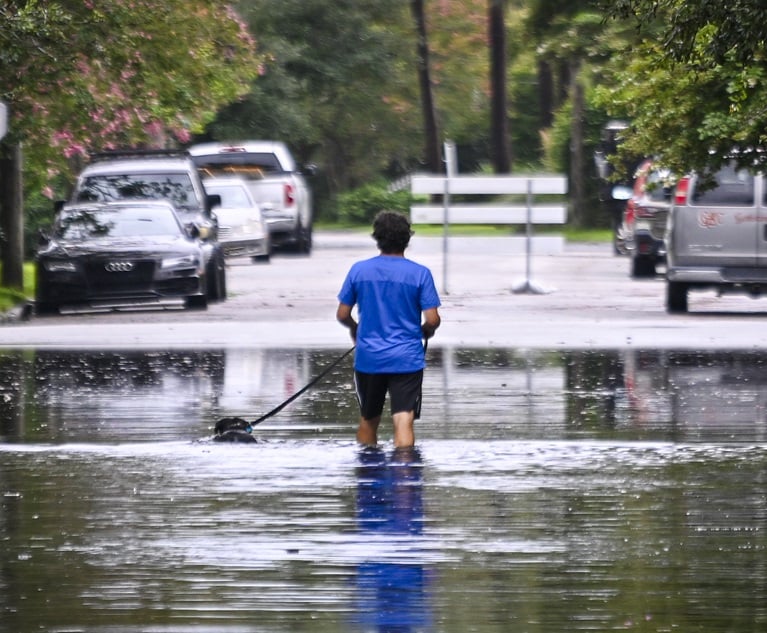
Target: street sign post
[[491, 213]]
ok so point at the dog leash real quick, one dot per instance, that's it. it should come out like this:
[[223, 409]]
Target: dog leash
[[298, 393]]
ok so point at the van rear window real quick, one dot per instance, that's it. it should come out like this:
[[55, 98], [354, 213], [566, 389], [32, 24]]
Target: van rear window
[[733, 188]]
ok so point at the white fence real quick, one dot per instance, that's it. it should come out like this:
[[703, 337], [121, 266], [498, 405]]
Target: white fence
[[527, 214]]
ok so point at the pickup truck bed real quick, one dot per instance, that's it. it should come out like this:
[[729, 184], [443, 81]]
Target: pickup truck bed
[[274, 182]]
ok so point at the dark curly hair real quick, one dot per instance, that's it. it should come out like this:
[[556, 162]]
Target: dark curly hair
[[391, 232]]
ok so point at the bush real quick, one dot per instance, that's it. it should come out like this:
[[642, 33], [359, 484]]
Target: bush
[[360, 206]]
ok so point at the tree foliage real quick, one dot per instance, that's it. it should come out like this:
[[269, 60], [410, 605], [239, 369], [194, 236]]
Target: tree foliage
[[733, 31], [97, 74], [340, 84], [695, 89]]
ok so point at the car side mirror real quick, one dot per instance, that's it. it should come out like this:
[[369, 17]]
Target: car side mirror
[[58, 205], [310, 169], [43, 237], [193, 231], [212, 200]]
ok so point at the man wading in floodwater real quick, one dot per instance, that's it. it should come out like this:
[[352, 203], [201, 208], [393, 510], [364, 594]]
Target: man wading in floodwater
[[391, 293]]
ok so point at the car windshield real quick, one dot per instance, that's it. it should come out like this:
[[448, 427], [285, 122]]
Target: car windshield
[[232, 196], [176, 187], [659, 185], [87, 224]]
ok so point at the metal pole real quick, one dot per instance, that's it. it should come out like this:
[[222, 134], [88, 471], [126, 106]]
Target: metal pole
[[450, 168], [528, 231], [527, 286]]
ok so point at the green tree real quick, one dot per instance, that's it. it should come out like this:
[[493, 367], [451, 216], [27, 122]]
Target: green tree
[[335, 86], [695, 89]]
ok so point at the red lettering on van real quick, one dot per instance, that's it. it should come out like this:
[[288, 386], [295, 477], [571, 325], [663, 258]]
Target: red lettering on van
[[709, 219]]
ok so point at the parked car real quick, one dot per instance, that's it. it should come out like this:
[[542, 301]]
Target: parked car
[[717, 236], [645, 218], [275, 181], [242, 231], [159, 175], [118, 254]]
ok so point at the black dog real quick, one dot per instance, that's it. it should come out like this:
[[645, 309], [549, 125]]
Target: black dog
[[233, 430]]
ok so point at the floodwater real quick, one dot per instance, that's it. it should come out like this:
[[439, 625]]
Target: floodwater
[[550, 491]]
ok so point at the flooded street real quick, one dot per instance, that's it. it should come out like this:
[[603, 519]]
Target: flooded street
[[552, 490]]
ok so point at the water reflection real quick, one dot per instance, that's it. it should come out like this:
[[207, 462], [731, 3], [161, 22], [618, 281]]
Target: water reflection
[[578, 490], [68, 396], [391, 587]]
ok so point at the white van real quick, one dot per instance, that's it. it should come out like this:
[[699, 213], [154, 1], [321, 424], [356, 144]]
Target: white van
[[716, 236]]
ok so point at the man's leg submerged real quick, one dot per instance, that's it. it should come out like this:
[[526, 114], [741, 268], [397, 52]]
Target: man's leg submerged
[[404, 434], [367, 432]]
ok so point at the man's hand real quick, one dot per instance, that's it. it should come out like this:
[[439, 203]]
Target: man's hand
[[431, 322], [344, 316]]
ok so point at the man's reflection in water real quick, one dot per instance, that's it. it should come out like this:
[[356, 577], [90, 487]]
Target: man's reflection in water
[[391, 586]]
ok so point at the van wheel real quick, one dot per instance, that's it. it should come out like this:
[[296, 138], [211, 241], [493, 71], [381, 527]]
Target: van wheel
[[676, 297], [642, 267]]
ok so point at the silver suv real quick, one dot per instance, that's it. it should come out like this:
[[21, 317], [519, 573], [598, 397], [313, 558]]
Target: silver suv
[[716, 237], [159, 175]]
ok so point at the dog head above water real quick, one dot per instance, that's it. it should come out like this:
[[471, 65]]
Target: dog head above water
[[233, 430]]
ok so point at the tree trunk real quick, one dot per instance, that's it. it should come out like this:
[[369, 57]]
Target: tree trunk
[[499, 123], [545, 93], [432, 153], [577, 161], [11, 213]]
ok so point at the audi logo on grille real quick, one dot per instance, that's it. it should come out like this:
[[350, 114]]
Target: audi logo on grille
[[118, 267]]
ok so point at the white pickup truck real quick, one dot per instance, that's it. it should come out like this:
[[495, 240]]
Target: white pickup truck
[[275, 181]]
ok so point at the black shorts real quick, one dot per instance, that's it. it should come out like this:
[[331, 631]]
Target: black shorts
[[404, 392]]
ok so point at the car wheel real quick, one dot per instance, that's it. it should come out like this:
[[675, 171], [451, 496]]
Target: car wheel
[[216, 275], [676, 297], [642, 267], [222, 289], [46, 307], [197, 302], [303, 239]]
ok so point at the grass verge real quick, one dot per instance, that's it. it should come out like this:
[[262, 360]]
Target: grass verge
[[10, 297]]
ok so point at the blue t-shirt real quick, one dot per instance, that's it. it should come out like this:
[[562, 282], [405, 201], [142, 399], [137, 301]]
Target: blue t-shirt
[[390, 293]]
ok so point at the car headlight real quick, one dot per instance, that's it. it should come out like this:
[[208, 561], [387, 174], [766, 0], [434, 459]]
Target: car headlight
[[60, 266], [248, 229], [182, 261]]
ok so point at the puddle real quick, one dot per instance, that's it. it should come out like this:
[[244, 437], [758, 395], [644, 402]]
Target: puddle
[[602, 490]]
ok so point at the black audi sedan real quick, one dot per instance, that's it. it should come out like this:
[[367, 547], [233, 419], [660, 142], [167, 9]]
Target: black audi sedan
[[116, 255]]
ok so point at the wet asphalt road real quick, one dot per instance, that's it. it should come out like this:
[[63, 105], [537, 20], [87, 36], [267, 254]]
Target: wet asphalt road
[[587, 301]]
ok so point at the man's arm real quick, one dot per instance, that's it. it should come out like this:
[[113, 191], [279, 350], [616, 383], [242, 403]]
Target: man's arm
[[431, 322], [344, 316]]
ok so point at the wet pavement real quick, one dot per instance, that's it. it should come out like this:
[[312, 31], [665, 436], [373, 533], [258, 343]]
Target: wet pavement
[[552, 490], [590, 302]]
